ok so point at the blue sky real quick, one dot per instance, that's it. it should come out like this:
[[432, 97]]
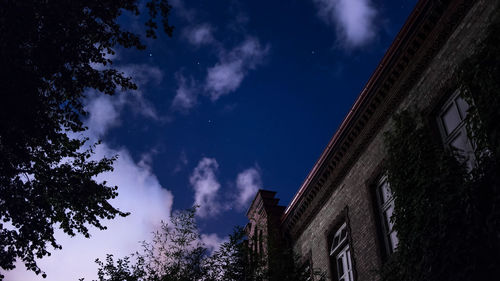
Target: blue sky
[[244, 96]]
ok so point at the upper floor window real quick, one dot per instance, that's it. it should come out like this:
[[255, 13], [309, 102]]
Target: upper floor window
[[341, 253], [385, 202], [451, 122]]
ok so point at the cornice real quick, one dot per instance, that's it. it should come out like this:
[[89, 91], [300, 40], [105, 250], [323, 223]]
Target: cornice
[[424, 33]]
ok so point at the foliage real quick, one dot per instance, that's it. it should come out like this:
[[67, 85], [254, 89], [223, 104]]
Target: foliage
[[176, 254], [447, 217], [123, 270], [232, 260], [47, 179], [480, 84], [236, 261], [284, 264]]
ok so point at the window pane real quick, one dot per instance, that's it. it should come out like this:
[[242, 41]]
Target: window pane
[[349, 265], [460, 142], [450, 118], [340, 267], [388, 215], [394, 240], [463, 106], [343, 234], [348, 260], [385, 192]]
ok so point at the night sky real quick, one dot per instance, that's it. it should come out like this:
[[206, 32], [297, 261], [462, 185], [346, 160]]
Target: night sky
[[245, 95]]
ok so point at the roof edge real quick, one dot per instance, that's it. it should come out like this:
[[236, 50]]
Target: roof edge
[[348, 119]]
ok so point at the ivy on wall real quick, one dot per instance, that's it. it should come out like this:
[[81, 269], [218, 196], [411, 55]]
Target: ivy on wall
[[447, 217]]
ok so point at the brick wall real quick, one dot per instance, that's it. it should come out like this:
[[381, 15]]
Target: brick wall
[[352, 198]]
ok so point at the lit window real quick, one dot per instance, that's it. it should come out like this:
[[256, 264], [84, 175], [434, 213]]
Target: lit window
[[385, 202], [452, 127], [341, 252]]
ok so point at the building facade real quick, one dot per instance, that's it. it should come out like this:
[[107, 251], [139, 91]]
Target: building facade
[[339, 219]]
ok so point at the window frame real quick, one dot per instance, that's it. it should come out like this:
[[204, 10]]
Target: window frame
[[383, 205], [459, 130], [340, 247]]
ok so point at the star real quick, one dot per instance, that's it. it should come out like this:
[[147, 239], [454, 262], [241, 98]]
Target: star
[[150, 54]]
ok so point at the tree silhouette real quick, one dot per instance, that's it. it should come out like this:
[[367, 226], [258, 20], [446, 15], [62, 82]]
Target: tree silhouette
[[176, 253], [47, 53]]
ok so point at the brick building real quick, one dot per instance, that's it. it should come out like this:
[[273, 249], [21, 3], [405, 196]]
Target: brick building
[[339, 219]]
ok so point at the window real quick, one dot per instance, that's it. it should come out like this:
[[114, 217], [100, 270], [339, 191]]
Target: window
[[452, 126], [261, 242], [341, 255], [306, 270], [385, 203]]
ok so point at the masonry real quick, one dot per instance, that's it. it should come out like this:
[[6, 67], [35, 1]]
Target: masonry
[[337, 220]]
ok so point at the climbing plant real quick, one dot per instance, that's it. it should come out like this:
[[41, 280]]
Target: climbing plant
[[448, 216]]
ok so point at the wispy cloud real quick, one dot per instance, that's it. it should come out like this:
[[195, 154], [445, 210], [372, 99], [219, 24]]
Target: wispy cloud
[[227, 75], [233, 64], [207, 189], [204, 182], [212, 241], [103, 113], [182, 11], [353, 20], [198, 35], [104, 110], [186, 95], [248, 183], [224, 77], [142, 74], [182, 162]]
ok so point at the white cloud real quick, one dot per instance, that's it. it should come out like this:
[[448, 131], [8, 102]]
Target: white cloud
[[353, 20], [212, 241], [139, 193], [233, 65], [206, 186], [186, 95], [227, 75], [248, 183], [104, 110], [199, 35], [224, 78]]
